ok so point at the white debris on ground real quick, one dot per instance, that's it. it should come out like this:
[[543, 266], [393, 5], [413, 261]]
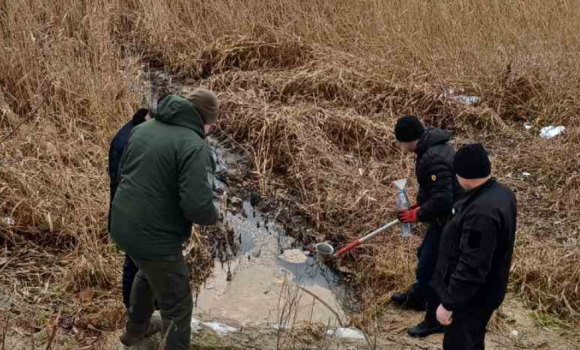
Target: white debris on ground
[[525, 173], [346, 333], [195, 325], [219, 328], [8, 220], [295, 256], [467, 99], [551, 131], [528, 126]]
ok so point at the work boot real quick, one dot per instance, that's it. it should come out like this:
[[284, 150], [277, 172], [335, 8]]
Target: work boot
[[427, 327], [131, 338], [409, 300]]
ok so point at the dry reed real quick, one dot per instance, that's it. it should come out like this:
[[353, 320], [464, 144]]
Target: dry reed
[[312, 89]]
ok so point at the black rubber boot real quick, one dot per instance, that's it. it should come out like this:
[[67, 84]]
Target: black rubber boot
[[409, 300], [427, 327]]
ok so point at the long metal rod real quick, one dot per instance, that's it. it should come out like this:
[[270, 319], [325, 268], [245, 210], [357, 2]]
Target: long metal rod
[[379, 230], [360, 241]]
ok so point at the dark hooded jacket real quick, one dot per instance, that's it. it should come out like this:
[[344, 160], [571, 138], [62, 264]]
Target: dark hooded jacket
[[166, 184], [438, 186], [118, 145], [117, 148], [476, 249]]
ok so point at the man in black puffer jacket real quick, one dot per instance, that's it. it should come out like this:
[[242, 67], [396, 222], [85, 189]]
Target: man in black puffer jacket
[[475, 253], [438, 191]]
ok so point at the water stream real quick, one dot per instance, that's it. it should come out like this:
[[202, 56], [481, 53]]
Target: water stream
[[254, 287]]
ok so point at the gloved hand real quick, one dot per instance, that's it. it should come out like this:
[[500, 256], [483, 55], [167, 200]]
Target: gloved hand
[[409, 215]]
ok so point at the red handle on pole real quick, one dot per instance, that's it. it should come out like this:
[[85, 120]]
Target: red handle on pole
[[344, 250]]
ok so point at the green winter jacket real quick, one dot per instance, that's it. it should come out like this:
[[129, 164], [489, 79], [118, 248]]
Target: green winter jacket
[[166, 184]]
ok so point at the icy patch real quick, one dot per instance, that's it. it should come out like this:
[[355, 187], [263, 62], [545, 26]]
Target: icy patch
[[346, 333], [281, 326], [194, 325], [295, 256], [551, 131], [219, 328]]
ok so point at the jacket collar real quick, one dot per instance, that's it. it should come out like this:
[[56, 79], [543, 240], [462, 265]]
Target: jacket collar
[[471, 195], [431, 137]]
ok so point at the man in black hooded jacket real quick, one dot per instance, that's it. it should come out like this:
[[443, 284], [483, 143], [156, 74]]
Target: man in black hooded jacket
[[476, 252], [118, 145], [438, 190]]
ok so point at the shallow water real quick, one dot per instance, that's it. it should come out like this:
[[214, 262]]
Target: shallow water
[[253, 288]]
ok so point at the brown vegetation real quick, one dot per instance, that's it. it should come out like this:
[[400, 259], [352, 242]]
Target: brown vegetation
[[312, 89]]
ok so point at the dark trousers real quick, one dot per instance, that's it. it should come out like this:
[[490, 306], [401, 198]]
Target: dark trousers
[[168, 283], [467, 330], [129, 272], [427, 254]]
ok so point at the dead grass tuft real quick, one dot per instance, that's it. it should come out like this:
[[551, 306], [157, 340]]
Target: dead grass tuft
[[322, 135], [248, 53], [312, 90]]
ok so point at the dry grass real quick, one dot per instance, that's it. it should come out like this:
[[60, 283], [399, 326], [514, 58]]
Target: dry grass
[[325, 129], [312, 89]]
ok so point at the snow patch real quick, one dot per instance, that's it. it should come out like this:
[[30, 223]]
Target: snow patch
[[219, 328], [346, 333]]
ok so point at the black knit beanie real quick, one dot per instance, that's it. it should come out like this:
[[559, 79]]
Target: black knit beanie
[[472, 162], [408, 128]]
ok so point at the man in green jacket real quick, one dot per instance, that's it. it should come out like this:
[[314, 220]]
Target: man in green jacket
[[166, 185]]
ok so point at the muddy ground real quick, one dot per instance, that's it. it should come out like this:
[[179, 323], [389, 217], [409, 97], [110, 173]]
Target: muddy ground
[[267, 290]]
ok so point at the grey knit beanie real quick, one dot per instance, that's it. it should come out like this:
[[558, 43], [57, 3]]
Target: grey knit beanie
[[206, 104]]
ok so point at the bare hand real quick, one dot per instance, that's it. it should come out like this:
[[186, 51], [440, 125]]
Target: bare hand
[[444, 316]]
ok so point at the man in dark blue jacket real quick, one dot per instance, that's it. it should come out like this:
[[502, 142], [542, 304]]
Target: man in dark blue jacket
[[116, 150], [438, 190], [476, 252]]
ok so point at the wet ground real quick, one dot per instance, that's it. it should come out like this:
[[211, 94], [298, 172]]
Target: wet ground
[[245, 303], [265, 289], [269, 272]]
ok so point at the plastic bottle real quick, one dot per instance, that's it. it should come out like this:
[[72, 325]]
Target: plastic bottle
[[403, 203]]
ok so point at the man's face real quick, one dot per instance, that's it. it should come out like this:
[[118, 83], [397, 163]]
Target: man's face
[[464, 183], [470, 184], [210, 129], [408, 147]]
